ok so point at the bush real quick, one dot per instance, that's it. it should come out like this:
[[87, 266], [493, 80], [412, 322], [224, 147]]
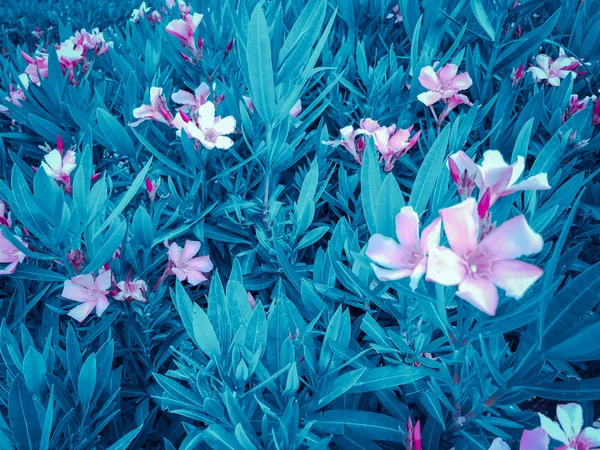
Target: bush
[[243, 225]]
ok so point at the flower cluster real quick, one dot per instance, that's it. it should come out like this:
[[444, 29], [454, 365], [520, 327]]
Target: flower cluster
[[554, 70], [391, 142], [196, 117]]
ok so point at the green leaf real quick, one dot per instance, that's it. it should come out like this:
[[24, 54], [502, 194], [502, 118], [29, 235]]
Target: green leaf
[[389, 203], [115, 133], [387, 377], [34, 372], [260, 66], [370, 182], [87, 381], [337, 387], [125, 441], [113, 239], [381, 426], [23, 417], [571, 390], [305, 208], [482, 18]]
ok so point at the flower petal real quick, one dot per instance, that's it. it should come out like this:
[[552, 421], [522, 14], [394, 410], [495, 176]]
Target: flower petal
[[101, 305], [429, 98], [481, 293], [190, 249], [201, 263], [461, 225], [511, 240], [75, 292], [553, 429], [418, 273], [225, 126], [391, 274], [447, 73], [463, 162], [407, 228], [223, 142], [385, 251], [589, 438], [80, 312], [537, 182], [104, 280], [174, 253], [570, 417], [195, 277], [445, 267], [428, 79], [461, 82], [499, 444], [431, 235], [514, 277], [536, 439], [184, 98]]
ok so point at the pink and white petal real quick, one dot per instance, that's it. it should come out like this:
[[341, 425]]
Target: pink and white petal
[[514, 277], [385, 251], [418, 273], [543, 62], [179, 29], [428, 79], [9, 268], [223, 142], [499, 444], [461, 225], [296, 109], [183, 98], [429, 98], [174, 253], [554, 81], [447, 73], [54, 160], [225, 126], [202, 91], [201, 263], [537, 182], [461, 82], [538, 74], [190, 249], [553, 429], [445, 267], [570, 417], [480, 293], [101, 305], [180, 274], [390, 274], [431, 235], [463, 162], [75, 292], [518, 168], [536, 439], [104, 280], [206, 115], [195, 277], [589, 438], [511, 240], [80, 312], [407, 228]]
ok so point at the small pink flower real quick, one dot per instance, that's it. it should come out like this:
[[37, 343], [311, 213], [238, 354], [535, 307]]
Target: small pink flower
[[249, 103], [37, 33], [229, 47], [90, 292], [69, 54], [9, 254], [131, 290], [93, 40], [155, 17], [413, 435], [5, 219], [37, 66], [395, 14], [553, 70], [477, 266], [351, 141], [517, 74], [576, 105], [442, 85], [210, 130], [15, 96], [191, 102], [139, 13], [453, 102], [465, 174], [296, 109], [568, 430], [59, 167], [152, 187], [393, 261], [184, 29], [184, 8], [157, 110], [596, 112], [183, 264], [76, 258], [392, 143]]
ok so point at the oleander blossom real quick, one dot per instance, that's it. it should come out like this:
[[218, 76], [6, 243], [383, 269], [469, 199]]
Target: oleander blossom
[[479, 265], [9, 253], [59, 166], [517, 74], [395, 14], [408, 257], [37, 66], [157, 109], [208, 129], [413, 435], [191, 102], [392, 143], [444, 85], [131, 290], [15, 96], [90, 291], [554, 70], [185, 266], [184, 30], [352, 141], [499, 444], [139, 13], [575, 105]]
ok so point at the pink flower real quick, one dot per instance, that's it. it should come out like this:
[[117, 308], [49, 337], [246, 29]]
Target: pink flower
[[183, 264], [413, 435], [569, 429], [76, 258], [155, 17], [596, 113], [536, 439], [517, 74], [554, 70], [37, 33], [249, 103], [465, 173], [453, 102], [15, 96], [152, 188], [349, 142], [369, 125], [184, 8], [9, 254], [131, 290], [92, 41], [392, 143], [296, 109], [576, 105], [499, 444], [191, 102], [58, 166], [393, 261], [37, 66], [478, 265], [211, 130], [442, 85], [395, 14], [170, 3], [69, 54], [5, 219], [157, 110], [139, 13], [184, 29], [90, 292]]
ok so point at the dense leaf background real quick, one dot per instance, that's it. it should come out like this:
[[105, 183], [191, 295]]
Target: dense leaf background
[[329, 357]]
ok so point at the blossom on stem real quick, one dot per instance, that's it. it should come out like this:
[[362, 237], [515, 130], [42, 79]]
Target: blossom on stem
[[413, 435], [569, 428], [408, 258], [131, 290], [139, 13], [192, 101], [184, 29], [152, 187], [575, 105], [442, 85], [210, 130], [479, 265], [10, 254], [90, 292], [59, 166], [5, 219], [351, 141], [156, 110], [76, 258], [517, 74], [392, 143], [554, 70], [395, 14], [185, 266], [37, 66]]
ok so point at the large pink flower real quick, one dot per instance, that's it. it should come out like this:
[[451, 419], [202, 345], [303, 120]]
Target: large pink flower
[[90, 292], [553, 70], [393, 261], [58, 166], [569, 429], [185, 266], [156, 110], [184, 29], [9, 254], [392, 143], [477, 266], [210, 130], [192, 101], [442, 85]]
